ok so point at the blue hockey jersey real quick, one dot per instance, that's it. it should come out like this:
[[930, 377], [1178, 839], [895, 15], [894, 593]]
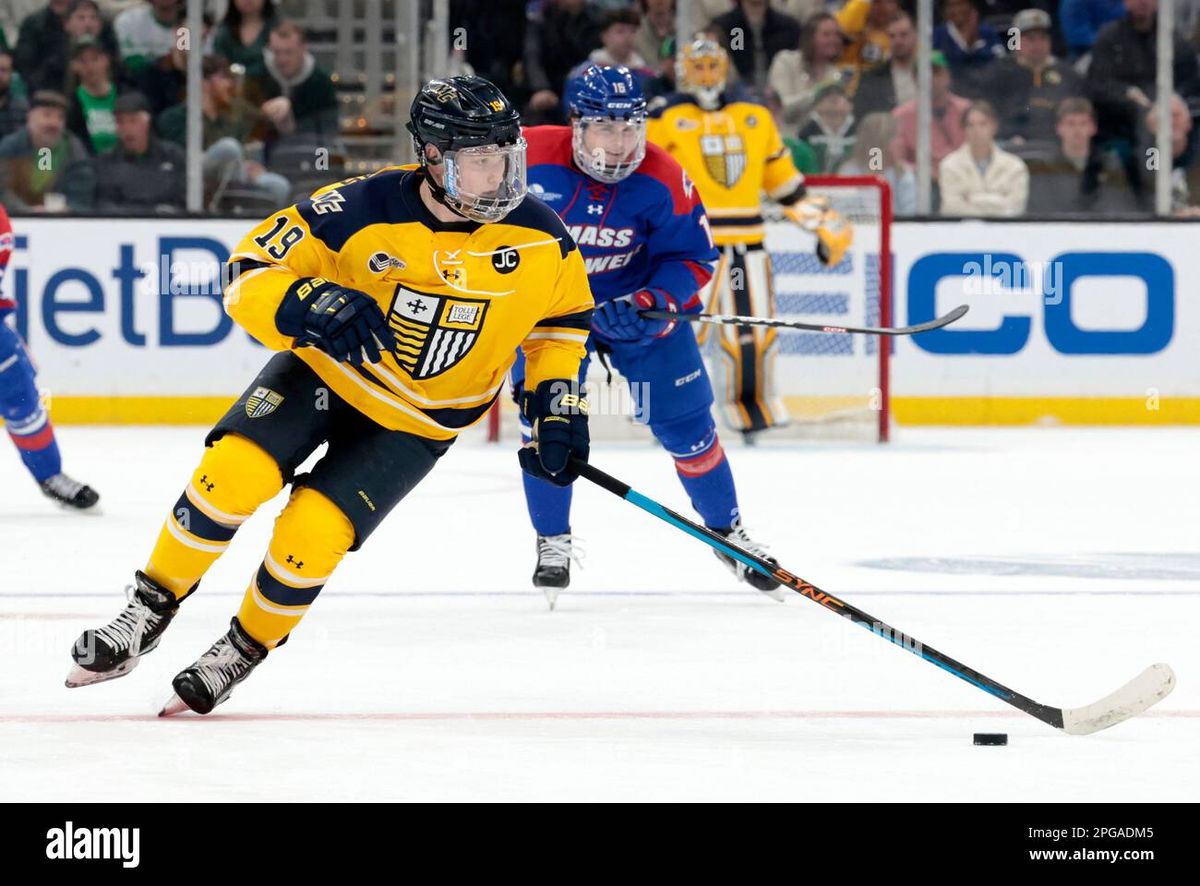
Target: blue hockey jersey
[[647, 231]]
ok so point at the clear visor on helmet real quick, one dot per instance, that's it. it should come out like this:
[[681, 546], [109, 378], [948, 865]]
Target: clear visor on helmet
[[609, 150], [487, 182]]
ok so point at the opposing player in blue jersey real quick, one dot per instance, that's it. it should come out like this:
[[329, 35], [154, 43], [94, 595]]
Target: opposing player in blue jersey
[[25, 417], [644, 236]]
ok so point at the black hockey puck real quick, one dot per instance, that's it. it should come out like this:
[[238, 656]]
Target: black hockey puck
[[991, 738]]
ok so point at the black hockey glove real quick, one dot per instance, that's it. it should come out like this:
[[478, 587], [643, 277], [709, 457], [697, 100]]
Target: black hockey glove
[[557, 413], [346, 324]]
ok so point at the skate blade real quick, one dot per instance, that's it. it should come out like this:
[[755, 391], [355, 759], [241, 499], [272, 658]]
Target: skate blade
[[175, 705], [551, 596], [95, 510], [776, 594], [80, 677]]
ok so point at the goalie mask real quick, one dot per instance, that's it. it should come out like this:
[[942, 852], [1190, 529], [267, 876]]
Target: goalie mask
[[701, 70]]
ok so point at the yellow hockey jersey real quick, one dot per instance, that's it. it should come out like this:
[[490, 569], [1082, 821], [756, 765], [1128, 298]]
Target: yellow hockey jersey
[[733, 154], [460, 296]]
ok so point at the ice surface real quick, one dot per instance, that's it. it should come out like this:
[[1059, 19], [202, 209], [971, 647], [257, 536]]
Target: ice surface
[[1059, 562]]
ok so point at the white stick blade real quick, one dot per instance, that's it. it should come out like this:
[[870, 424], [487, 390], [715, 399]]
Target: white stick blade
[[1144, 691]]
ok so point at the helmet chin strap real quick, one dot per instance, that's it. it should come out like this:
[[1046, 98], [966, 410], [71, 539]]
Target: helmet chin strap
[[438, 192]]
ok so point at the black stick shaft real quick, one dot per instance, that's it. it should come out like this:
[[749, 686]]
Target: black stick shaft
[[736, 320], [1045, 713]]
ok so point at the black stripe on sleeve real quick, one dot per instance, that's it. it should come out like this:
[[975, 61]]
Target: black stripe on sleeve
[[580, 320]]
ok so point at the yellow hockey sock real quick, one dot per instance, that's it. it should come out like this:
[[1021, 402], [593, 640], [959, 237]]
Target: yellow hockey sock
[[233, 479], [311, 537]]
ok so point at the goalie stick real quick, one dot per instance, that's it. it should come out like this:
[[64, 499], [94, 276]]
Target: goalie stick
[[1148, 688], [735, 320]]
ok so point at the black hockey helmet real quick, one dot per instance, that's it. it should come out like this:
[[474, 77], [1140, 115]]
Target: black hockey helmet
[[468, 120]]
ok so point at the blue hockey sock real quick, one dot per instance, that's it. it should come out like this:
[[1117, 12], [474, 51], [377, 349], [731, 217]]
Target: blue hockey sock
[[702, 467], [39, 450], [21, 408], [549, 505]]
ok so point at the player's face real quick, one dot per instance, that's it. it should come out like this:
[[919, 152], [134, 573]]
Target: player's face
[[706, 71], [606, 149], [484, 183], [481, 174], [616, 140]]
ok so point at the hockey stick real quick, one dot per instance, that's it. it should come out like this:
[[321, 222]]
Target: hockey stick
[[1148, 688], [734, 320]]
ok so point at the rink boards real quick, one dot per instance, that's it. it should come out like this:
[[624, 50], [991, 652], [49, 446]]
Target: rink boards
[[1074, 323]]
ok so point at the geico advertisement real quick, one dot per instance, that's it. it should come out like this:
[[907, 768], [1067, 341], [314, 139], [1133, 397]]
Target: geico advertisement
[[132, 308], [1056, 309]]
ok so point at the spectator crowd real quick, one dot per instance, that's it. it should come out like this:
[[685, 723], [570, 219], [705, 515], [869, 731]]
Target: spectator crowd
[[93, 114], [1039, 106]]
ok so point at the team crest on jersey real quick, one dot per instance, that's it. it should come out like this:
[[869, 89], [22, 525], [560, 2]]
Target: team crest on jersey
[[724, 157], [433, 332], [262, 402]]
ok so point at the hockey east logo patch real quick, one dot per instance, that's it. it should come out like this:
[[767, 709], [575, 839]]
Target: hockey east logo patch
[[434, 333], [262, 402]]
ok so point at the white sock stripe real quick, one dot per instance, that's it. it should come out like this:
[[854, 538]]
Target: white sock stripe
[[178, 534], [267, 606], [31, 425], [228, 520], [9, 362], [287, 576]]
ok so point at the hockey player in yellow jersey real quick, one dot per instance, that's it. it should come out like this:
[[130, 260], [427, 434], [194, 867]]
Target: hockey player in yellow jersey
[[731, 149], [396, 302]]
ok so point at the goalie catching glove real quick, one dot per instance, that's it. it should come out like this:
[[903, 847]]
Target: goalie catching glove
[[557, 416], [834, 234], [346, 324]]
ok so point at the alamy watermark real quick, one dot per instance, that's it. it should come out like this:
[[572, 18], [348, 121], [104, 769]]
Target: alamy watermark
[[1001, 275], [70, 843]]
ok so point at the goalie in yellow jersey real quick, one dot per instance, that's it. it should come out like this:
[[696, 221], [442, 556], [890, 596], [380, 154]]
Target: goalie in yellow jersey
[[731, 149], [397, 302]]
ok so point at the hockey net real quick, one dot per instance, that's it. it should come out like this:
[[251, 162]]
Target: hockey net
[[834, 386]]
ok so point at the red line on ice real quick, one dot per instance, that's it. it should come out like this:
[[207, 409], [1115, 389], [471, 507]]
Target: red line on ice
[[401, 716]]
